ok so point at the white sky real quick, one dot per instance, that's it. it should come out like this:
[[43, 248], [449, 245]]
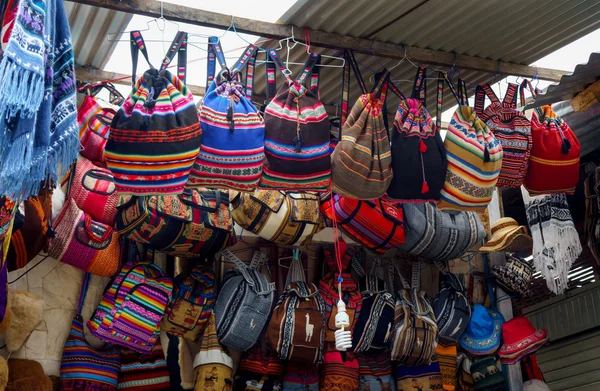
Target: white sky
[[270, 11]]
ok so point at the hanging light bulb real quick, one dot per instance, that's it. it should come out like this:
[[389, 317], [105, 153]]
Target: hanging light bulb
[[343, 337]]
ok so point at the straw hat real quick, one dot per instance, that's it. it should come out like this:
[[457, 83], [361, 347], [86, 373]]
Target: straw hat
[[507, 235]]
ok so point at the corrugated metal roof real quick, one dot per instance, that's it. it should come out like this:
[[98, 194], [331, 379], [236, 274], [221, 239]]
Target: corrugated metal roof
[[89, 26], [508, 30], [571, 85], [585, 125]]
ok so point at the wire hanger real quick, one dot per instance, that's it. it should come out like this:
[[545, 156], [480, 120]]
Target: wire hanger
[[160, 22]]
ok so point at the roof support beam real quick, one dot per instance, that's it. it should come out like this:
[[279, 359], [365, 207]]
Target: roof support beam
[[183, 14]]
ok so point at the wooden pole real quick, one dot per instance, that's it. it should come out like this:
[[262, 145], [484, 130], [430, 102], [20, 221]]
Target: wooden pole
[[183, 14]]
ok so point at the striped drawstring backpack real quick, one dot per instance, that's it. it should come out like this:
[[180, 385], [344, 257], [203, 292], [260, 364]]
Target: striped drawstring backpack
[[84, 367], [418, 155], [554, 161], [361, 162], [232, 151], [512, 130], [133, 305], [297, 154], [155, 136], [474, 158]]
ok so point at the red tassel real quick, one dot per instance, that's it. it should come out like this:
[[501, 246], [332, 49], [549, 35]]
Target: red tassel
[[422, 147], [424, 188]]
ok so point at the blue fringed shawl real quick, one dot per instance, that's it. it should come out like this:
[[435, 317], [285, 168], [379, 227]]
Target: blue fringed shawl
[[38, 106]]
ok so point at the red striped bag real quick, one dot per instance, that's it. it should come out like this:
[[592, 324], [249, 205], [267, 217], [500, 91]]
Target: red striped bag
[[377, 225], [512, 130], [93, 189]]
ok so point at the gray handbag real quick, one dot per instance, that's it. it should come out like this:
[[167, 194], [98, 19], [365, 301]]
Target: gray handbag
[[439, 235], [244, 303]]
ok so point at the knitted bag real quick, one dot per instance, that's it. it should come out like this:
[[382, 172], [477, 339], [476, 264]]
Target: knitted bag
[[196, 223], [375, 323], [95, 136], [296, 328], [339, 374], [281, 217], [89, 105], [555, 150], [439, 235], [418, 156], [297, 155], [84, 367], [328, 288], [474, 159], [415, 330], [144, 372], [34, 236], [84, 243], [93, 189], [361, 161], [377, 225], [155, 136], [193, 300], [259, 371], [132, 306], [376, 372], [451, 307], [512, 130], [244, 303], [301, 377], [232, 150]]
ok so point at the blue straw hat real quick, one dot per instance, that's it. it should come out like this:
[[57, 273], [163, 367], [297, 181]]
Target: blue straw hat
[[483, 334]]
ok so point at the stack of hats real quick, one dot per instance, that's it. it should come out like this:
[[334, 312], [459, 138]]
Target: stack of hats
[[520, 339], [514, 277], [487, 374], [507, 235], [482, 336]]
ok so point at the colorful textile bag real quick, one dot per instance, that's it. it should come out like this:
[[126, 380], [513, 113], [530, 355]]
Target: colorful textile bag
[[233, 132], [361, 161], [474, 159], [132, 306], [418, 156], [155, 137], [196, 223], [259, 371], [512, 130], [281, 217], [421, 377], [93, 189], [213, 367], [339, 374], [84, 367], [192, 304], [95, 136], [297, 324], [34, 236], [439, 235], [84, 243], [301, 377], [378, 225], [297, 155], [415, 329], [555, 150], [376, 372], [244, 303], [144, 372], [375, 323]]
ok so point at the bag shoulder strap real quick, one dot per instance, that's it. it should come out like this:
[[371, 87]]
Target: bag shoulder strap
[[443, 79], [215, 53], [309, 71], [271, 76], [179, 46], [247, 59], [137, 45], [526, 85], [85, 283], [480, 93], [420, 86], [510, 98]]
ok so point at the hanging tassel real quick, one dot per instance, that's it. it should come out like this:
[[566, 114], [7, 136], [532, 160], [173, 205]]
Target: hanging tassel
[[230, 115], [424, 188], [422, 147], [486, 154], [298, 141], [566, 145]]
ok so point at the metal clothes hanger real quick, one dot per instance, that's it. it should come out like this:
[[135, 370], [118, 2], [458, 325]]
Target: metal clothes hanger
[[160, 22]]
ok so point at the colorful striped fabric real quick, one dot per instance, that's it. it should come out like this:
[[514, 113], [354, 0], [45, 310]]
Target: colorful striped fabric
[[84, 367], [339, 374], [232, 151], [474, 160], [131, 309], [376, 372], [155, 136], [144, 372], [512, 130], [377, 225], [297, 154]]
